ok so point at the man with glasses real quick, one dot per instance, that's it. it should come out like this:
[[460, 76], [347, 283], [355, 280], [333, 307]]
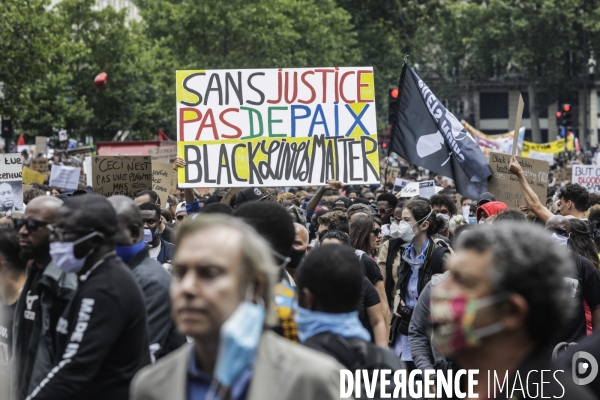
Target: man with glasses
[[386, 203], [583, 281], [46, 293], [102, 336]]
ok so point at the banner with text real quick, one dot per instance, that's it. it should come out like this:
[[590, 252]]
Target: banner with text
[[277, 127], [505, 186], [587, 176], [64, 177], [11, 183], [125, 175]]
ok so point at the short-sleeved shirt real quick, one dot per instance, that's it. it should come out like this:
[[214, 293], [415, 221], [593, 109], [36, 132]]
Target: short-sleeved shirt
[[370, 268], [369, 298], [585, 285]]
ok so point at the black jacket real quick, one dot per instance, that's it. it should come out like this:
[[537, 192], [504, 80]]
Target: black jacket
[[154, 281], [102, 338]]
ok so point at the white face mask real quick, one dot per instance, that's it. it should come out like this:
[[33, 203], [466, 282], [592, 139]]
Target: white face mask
[[561, 240], [481, 221], [406, 231], [63, 254]]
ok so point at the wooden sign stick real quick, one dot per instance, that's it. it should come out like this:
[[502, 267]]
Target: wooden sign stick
[[518, 124]]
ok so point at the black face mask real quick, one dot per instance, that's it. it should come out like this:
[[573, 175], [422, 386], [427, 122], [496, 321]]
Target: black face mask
[[296, 257]]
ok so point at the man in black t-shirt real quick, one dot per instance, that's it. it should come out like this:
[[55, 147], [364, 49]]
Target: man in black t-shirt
[[102, 336], [583, 282], [12, 279]]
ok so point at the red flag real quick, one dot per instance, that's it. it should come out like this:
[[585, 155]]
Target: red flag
[[21, 141], [162, 137]]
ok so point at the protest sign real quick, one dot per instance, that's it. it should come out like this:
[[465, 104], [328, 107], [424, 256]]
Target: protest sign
[[30, 176], [40, 145], [390, 174], [164, 180], [426, 189], [39, 164], [276, 127], [125, 175], [563, 174], [230, 195], [505, 186], [413, 189], [64, 177], [87, 170], [164, 154], [587, 176], [11, 182], [538, 155], [399, 184]]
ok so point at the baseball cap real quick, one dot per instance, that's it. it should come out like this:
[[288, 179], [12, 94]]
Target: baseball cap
[[485, 197]]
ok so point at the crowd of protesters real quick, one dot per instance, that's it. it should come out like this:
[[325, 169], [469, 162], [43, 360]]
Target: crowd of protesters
[[271, 294]]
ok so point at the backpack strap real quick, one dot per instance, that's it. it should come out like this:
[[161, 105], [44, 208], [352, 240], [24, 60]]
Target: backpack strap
[[394, 247], [342, 350], [437, 266]]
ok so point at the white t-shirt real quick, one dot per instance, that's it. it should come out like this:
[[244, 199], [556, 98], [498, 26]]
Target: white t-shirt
[[155, 251]]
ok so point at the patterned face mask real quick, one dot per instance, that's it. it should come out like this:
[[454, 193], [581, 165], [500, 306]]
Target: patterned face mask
[[452, 316]]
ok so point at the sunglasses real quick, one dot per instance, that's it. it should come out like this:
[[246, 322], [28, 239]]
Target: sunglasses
[[376, 231], [384, 210], [31, 224], [558, 231]]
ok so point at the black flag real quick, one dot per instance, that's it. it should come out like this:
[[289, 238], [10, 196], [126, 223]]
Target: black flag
[[428, 135]]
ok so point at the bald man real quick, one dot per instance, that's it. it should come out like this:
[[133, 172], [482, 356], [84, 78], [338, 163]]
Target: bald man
[[149, 274], [583, 281], [7, 202], [45, 295]]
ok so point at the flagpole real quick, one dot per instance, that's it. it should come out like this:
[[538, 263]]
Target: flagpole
[[396, 114]]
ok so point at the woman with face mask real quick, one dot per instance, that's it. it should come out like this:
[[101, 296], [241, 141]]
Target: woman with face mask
[[421, 258]]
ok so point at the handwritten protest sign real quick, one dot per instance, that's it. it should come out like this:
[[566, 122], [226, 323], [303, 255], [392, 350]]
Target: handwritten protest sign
[[11, 182], [587, 176], [164, 154], [40, 144], [505, 186], [64, 177], [276, 127], [390, 174], [125, 175], [30, 176], [39, 164], [164, 180]]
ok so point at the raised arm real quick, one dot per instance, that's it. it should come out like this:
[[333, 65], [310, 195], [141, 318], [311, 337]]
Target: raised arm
[[533, 202], [314, 202]]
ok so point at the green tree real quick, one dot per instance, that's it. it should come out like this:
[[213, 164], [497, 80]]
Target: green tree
[[502, 39], [32, 67]]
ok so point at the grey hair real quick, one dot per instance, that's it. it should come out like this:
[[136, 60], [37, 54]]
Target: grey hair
[[527, 262], [257, 260]]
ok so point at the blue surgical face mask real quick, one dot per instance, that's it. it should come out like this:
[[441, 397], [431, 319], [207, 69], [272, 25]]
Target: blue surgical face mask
[[239, 338], [128, 252], [472, 220], [63, 254], [311, 323]]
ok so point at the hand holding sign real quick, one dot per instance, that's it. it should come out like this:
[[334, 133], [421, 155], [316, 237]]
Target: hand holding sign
[[515, 167], [332, 184]]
